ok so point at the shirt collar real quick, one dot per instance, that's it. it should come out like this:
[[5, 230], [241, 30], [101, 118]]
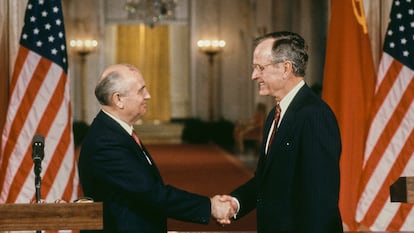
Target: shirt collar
[[124, 125], [285, 102]]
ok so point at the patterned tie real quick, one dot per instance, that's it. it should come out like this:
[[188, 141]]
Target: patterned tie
[[276, 122], [135, 136]]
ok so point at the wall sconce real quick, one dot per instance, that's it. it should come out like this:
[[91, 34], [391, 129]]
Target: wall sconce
[[211, 48], [83, 48]]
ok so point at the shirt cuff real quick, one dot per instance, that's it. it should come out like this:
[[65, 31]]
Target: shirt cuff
[[238, 207]]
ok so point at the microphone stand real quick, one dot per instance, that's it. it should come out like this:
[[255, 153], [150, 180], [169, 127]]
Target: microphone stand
[[37, 155], [38, 180]]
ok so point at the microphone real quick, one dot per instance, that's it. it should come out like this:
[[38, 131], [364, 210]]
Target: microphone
[[38, 152], [38, 146]]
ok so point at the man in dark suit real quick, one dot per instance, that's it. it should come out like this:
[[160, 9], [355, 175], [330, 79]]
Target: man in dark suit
[[295, 188], [116, 169]]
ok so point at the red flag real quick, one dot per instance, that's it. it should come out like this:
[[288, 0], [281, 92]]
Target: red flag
[[389, 151], [39, 104], [348, 87]]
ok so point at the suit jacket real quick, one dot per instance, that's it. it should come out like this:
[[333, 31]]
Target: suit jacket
[[113, 169], [296, 185]]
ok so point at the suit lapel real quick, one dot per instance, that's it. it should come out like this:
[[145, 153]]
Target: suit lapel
[[285, 127], [142, 155], [274, 149], [263, 156], [140, 152], [153, 166]]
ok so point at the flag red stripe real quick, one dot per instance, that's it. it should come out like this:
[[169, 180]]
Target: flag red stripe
[[20, 60], [391, 127], [52, 108], [70, 186], [400, 218], [18, 122], [382, 196], [394, 124], [386, 85], [67, 195], [26, 104], [25, 169], [49, 177], [64, 141], [62, 148]]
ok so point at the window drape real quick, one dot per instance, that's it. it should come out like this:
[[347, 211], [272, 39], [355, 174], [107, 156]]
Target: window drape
[[148, 49]]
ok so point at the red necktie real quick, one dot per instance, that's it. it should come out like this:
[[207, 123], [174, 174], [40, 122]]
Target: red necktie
[[135, 136], [276, 120]]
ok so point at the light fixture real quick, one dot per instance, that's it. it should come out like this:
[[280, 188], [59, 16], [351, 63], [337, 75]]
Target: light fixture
[[83, 47], [151, 11], [211, 48]]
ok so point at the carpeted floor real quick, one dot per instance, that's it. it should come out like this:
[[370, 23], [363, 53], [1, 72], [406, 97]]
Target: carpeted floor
[[203, 169]]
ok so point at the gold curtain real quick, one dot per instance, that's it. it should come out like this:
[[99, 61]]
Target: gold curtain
[[148, 49]]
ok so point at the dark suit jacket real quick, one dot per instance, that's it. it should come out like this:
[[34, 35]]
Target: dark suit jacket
[[113, 170], [296, 187]]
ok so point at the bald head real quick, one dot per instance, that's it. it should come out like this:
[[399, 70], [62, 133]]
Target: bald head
[[122, 92], [123, 69], [113, 79]]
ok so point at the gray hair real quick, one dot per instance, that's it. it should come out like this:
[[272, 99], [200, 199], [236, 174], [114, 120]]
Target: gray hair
[[109, 85], [288, 46]]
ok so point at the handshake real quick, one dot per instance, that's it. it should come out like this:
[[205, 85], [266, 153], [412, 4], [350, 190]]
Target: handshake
[[223, 207]]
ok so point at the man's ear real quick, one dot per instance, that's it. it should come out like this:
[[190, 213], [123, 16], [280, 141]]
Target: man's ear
[[116, 100], [288, 66], [287, 69]]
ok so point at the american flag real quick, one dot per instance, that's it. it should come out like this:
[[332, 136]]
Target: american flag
[[390, 143], [39, 104]]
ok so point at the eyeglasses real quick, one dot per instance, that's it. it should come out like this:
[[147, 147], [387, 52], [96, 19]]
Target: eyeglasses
[[261, 67]]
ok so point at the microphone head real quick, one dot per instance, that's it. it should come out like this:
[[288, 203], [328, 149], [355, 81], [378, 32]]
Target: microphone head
[[38, 138], [38, 147]]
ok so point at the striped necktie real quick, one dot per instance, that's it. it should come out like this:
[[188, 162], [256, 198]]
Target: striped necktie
[[276, 122]]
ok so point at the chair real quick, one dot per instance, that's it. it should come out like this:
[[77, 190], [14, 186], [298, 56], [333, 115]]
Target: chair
[[250, 130]]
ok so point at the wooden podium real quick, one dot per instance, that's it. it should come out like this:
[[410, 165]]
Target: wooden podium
[[51, 216], [402, 190]]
